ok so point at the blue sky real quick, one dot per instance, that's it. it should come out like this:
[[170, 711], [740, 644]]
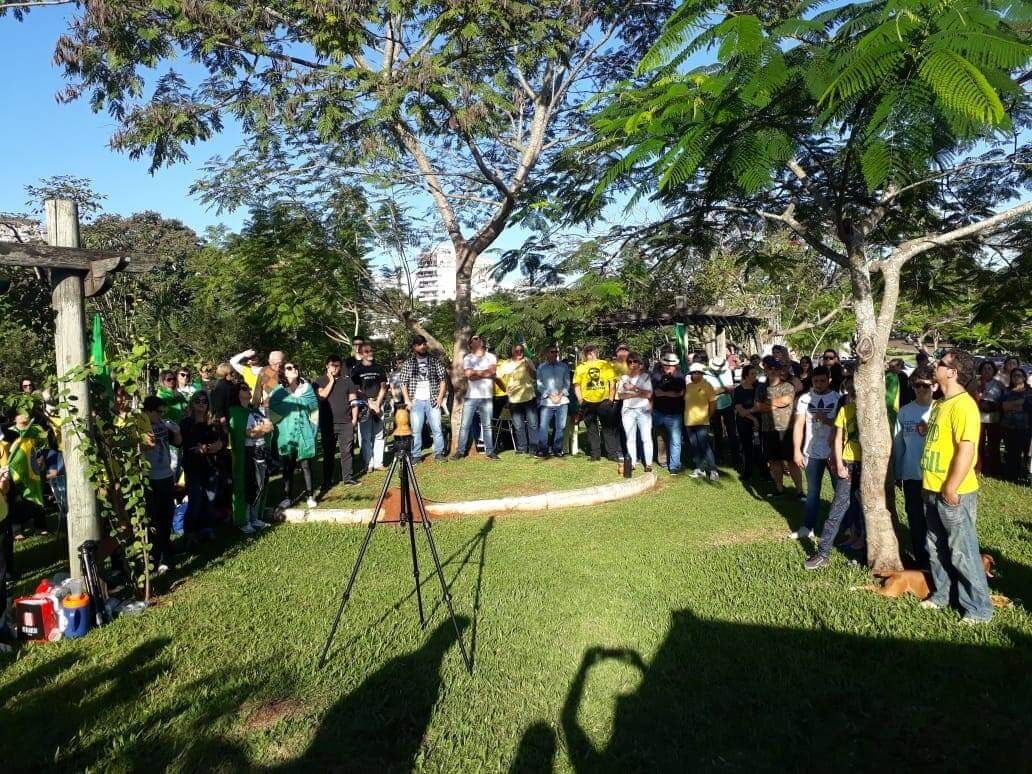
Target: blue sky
[[40, 137]]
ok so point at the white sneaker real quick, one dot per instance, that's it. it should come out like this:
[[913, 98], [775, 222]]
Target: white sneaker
[[247, 529], [714, 476], [803, 533], [928, 604], [260, 524], [284, 503], [311, 503], [695, 474], [162, 569]]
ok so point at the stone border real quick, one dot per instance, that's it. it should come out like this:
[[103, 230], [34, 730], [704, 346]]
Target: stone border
[[548, 501]]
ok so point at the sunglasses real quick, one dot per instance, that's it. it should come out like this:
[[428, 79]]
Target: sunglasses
[[168, 379], [830, 357], [922, 385], [294, 368], [184, 373]]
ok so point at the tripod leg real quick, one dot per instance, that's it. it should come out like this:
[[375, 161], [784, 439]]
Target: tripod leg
[[358, 563], [427, 528], [407, 515]]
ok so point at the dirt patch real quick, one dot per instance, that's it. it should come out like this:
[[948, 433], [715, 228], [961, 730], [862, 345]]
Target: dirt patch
[[258, 716], [740, 537]]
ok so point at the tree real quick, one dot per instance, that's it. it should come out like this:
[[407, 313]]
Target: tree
[[875, 132], [288, 276], [462, 102]]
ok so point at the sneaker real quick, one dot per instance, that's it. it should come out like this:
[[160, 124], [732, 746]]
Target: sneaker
[[803, 533], [350, 482], [931, 604], [259, 524], [816, 562], [972, 621], [559, 453], [311, 503], [493, 457], [540, 455], [247, 529], [284, 503], [457, 456], [438, 457], [714, 476], [648, 468], [801, 496], [695, 474], [162, 569]]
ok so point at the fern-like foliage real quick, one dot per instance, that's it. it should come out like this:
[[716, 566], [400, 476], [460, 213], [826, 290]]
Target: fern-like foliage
[[906, 81]]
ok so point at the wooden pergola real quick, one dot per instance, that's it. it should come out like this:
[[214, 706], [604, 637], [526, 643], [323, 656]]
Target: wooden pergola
[[710, 325], [75, 274]]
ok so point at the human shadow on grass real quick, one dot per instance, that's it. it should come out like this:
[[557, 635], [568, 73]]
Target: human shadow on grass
[[382, 724], [721, 695]]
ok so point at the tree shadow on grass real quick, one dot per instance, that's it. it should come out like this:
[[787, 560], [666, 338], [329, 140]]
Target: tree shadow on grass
[[720, 695]]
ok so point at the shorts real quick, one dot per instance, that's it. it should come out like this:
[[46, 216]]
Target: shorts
[[777, 445]]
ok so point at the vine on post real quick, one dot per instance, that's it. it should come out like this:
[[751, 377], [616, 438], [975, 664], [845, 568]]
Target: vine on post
[[116, 465]]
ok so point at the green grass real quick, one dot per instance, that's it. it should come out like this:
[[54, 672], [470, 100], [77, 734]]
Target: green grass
[[673, 632], [478, 478]]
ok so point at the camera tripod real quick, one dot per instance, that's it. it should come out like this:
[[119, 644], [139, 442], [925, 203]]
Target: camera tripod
[[408, 485]]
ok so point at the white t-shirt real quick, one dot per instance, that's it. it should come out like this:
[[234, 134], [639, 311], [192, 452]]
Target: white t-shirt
[[422, 379], [479, 388], [816, 434], [643, 382]]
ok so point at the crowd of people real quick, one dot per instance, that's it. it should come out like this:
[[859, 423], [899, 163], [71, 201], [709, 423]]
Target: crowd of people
[[213, 438]]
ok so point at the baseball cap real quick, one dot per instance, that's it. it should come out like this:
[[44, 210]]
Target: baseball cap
[[696, 368], [670, 359]]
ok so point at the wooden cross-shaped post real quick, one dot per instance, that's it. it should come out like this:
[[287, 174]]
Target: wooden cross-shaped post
[[75, 274]]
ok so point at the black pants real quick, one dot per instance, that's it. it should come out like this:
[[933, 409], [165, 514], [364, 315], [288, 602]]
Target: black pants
[[601, 415], [914, 503], [747, 451], [337, 438], [724, 423], [1016, 445], [160, 506], [290, 464]]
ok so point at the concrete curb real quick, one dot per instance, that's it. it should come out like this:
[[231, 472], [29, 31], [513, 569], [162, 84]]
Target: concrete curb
[[548, 501]]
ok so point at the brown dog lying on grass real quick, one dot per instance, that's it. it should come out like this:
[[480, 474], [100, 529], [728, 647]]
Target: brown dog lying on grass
[[916, 582]]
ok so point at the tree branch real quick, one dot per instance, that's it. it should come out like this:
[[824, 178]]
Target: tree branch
[[844, 304], [914, 247], [891, 194]]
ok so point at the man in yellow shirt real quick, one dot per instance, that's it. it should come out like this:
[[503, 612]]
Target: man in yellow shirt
[[700, 402], [594, 383], [951, 492]]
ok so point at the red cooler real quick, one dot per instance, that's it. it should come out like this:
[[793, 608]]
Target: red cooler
[[36, 618]]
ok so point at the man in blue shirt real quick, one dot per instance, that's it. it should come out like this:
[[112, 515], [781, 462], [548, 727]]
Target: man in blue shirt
[[907, 447], [553, 388]]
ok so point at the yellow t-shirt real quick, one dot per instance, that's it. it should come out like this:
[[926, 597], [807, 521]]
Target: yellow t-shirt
[[520, 382], [952, 420], [497, 383], [594, 378], [697, 397], [846, 419]]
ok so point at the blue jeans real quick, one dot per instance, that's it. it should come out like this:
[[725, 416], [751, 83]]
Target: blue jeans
[[524, 424], [917, 519], [674, 426], [370, 431], [953, 555], [485, 408], [548, 413], [699, 443], [814, 473], [421, 412], [844, 507]]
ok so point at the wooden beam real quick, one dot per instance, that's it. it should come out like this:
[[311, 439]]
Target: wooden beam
[[72, 259]]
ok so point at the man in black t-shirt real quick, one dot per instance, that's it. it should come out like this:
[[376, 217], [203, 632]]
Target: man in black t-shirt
[[370, 380], [668, 407], [338, 412]]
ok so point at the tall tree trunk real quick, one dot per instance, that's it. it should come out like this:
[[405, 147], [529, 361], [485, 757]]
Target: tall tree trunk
[[465, 259], [872, 419]]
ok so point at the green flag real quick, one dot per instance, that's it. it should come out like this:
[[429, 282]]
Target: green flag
[[98, 360], [682, 353]]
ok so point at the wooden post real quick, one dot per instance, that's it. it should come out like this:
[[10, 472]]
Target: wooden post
[[70, 346]]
